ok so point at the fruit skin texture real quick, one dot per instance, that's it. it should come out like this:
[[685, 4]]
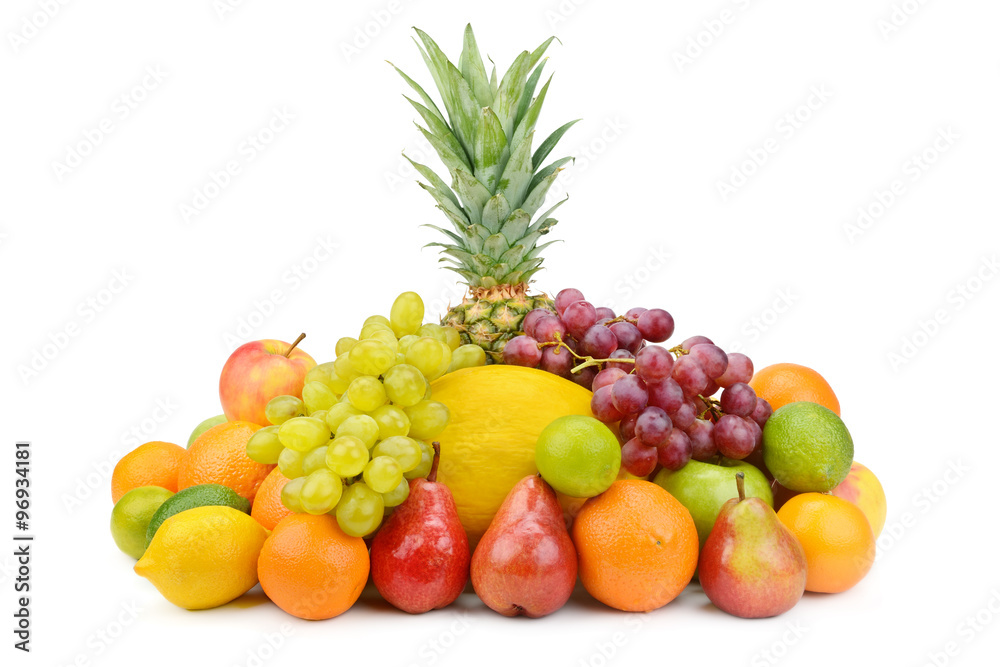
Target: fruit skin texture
[[257, 372], [204, 426], [579, 456], [497, 414], [781, 384], [311, 568], [420, 557], [862, 488], [267, 508], [219, 456], [526, 563], [638, 546], [201, 495], [807, 447], [204, 557], [491, 316], [836, 537], [704, 488], [151, 464], [751, 565], [131, 516]]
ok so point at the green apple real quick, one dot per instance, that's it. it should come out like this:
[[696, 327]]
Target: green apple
[[204, 426], [704, 488]]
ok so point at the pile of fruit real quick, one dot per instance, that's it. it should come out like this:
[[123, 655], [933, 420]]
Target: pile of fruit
[[522, 444]]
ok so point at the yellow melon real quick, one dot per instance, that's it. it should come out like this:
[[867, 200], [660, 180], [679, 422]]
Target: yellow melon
[[497, 414]]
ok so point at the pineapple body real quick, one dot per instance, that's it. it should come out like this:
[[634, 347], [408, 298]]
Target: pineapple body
[[491, 317]]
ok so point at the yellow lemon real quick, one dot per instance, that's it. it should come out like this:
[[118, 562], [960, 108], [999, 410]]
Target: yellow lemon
[[204, 557]]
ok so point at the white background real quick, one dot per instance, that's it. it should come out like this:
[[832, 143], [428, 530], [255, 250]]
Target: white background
[[646, 225]]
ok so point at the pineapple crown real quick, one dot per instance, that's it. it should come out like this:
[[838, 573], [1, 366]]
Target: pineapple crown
[[497, 183]]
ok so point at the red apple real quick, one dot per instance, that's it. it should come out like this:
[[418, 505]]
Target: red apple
[[257, 372], [864, 490]]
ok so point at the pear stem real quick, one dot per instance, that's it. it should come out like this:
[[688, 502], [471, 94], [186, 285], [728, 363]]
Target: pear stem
[[433, 474], [739, 486], [297, 341]]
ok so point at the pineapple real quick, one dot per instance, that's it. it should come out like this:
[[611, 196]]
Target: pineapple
[[484, 139]]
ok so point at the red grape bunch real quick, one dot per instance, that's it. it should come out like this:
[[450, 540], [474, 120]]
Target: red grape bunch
[[662, 399]]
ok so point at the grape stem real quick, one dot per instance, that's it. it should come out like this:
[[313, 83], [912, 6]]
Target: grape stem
[[433, 474], [587, 361], [739, 486], [712, 407], [679, 351], [297, 341]]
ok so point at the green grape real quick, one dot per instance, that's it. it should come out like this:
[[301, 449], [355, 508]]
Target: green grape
[[291, 494], [290, 463], [406, 451], [407, 313], [344, 345], [406, 341], [430, 356], [319, 414], [345, 369], [360, 510], [383, 474], [337, 384], [404, 385], [372, 357], [391, 421], [346, 456], [317, 396], [314, 459], [319, 373], [431, 330], [282, 408], [427, 419], [303, 433], [321, 492], [366, 393], [400, 359], [264, 446], [396, 497], [428, 390], [377, 319], [467, 356], [369, 329], [447, 335], [362, 427], [426, 462], [336, 415], [452, 338], [386, 337]]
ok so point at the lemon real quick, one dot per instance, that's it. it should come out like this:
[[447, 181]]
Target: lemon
[[579, 456], [807, 447], [131, 516], [204, 557], [199, 495]]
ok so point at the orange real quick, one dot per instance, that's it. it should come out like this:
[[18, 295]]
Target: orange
[[267, 508], [637, 545], [781, 384], [219, 456], [311, 568], [837, 539], [152, 464]]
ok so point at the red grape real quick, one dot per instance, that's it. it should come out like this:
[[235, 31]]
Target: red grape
[[528, 324], [603, 407], [655, 325], [628, 336], [566, 297], [621, 354], [696, 340], [629, 394], [653, 363], [712, 358], [626, 427], [638, 458], [522, 351], [607, 377], [675, 451], [634, 313], [605, 312], [653, 426], [585, 378], [684, 416], [689, 375], [740, 369], [702, 444], [598, 342], [557, 361], [547, 329], [578, 317], [738, 399], [667, 395], [762, 412], [733, 437]]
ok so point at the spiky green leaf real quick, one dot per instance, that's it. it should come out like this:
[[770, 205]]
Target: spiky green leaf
[[527, 125], [459, 101], [517, 174], [445, 202], [440, 129], [514, 255], [473, 194], [473, 69], [516, 225], [453, 161], [447, 232], [491, 150], [529, 93], [550, 142], [508, 97], [495, 213], [536, 197], [420, 91], [435, 180], [495, 246]]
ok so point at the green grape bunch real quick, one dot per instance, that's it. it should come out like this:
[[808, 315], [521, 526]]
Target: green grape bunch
[[363, 426]]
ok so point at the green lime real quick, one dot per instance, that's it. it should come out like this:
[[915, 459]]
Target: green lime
[[579, 456], [131, 516], [202, 495], [807, 447], [204, 426]]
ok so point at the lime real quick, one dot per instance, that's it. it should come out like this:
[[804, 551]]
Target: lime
[[204, 426], [201, 495], [579, 456], [131, 516], [807, 447]]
